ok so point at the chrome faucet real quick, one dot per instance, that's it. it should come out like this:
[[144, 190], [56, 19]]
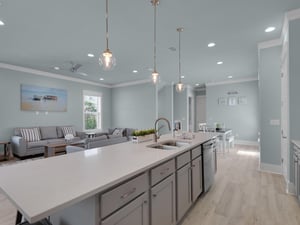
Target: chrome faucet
[[156, 136]]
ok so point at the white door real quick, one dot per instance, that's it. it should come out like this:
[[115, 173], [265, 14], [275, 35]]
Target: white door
[[284, 115], [200, 109]]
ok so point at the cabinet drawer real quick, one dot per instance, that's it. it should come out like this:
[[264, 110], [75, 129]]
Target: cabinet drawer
[[183, 159], [120, 195], [196, 152], [162, 171]]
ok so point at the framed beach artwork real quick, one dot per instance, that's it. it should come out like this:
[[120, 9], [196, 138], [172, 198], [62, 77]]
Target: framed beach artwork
[[222, 101], [36, 98]]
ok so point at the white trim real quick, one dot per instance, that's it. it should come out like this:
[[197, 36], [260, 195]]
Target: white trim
[[131, 83], [248, 79], [293, 14], [270, 168], [291, 188], [269, 44], [47, 74], [244, 142]]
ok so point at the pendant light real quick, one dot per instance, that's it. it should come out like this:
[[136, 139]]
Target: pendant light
[[179, 85], [107, 60], [155, 75]]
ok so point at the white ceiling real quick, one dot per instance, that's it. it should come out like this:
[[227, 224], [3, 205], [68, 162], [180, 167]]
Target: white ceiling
[[41, 34]]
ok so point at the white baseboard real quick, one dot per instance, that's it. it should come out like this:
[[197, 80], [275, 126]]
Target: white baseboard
[[243, 142], [291, 188], [270, 168]]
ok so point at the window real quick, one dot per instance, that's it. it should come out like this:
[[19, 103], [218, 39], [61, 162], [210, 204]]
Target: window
[[92, 110]]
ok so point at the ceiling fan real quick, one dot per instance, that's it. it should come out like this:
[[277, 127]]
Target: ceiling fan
[[75, 67]]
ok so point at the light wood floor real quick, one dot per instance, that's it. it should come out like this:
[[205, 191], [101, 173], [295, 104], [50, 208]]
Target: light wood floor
[[241, 195]]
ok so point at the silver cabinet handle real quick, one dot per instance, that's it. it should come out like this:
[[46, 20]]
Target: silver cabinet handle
[[164, 171], [128, 193]]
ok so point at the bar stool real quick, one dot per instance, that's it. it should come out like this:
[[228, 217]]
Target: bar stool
[[41, 222], [229, 142]]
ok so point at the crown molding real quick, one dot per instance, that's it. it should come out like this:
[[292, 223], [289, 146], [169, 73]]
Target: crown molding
[[241, 80], [131, 83], [269, 44], [47, 74], [293, 14]]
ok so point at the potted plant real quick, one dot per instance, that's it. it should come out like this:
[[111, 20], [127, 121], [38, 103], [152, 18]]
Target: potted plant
[[142, 135]]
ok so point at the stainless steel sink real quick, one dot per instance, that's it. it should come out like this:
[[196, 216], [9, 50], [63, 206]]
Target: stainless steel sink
[[162, 147], [175, 143], [169, 145]]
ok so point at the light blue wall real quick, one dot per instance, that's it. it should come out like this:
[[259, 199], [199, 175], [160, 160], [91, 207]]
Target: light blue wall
[[270, 105], [134, 106], [294, 76], [180, 107], [164, 99], [11, 116], [242, 119]]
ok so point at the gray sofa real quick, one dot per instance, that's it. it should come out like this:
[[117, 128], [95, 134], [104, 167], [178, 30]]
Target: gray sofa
[[109, 138], [48, 134]]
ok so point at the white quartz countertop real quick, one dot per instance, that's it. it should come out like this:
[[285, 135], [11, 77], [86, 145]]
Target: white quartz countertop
[[41, 187]]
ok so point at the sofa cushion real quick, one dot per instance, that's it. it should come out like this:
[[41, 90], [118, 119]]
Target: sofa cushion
[[36, 144], [31, 134], [56, 141], [111, 136], [118, 131], [48, 132], [68, 130], [102, 137]]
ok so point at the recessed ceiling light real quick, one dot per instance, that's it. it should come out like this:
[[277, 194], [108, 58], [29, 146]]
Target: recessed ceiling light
[[197, 84], [269, 29], [135, 71], [91, 55], [212, 44], [220, 63], [2, 23], [56, 68], [101, 78], [229, 77], [182, 77]]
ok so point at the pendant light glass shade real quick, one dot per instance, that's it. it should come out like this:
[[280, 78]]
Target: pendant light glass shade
[[179, 85], [155, 74], [155, 77], [107, 60]]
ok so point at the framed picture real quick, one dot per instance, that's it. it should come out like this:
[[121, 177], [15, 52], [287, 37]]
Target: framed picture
[[232, 101], [35, 98], [222, 101], [242, 100]]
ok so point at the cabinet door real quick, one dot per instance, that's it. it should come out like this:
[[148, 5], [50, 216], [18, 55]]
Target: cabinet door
[[197, 178], [184, 196], [163, 202], [135, 213]]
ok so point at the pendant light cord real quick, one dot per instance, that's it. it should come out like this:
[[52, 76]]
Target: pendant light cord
[[154, 44], [179, 50], [106, 17]]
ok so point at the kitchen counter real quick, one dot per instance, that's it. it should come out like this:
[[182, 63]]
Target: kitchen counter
[[42, 187]]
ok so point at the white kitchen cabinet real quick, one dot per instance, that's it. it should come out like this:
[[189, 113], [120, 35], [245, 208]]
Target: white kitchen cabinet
[[163, 202], [135, 213], [184, 195], [197, 182]]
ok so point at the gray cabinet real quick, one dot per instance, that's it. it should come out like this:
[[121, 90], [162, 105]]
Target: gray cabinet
[[197, 181], [135, 213], [184, 195], [163, 202]]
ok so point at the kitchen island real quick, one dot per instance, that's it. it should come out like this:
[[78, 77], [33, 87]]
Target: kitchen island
[[75, 182]]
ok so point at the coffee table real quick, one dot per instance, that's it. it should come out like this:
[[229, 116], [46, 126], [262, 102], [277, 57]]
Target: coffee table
[[53, 148]]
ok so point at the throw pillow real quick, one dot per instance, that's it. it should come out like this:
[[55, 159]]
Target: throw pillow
[[69, 130], [31, 134], [118, 132]]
